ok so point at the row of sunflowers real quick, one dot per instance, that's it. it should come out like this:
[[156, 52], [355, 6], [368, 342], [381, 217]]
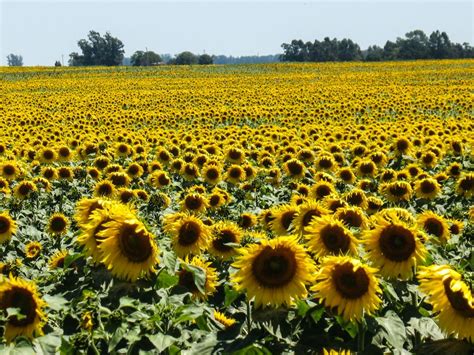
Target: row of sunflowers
[[251, 209]]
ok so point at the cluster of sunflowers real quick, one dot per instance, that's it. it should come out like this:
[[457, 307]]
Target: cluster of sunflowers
[[231, 203]]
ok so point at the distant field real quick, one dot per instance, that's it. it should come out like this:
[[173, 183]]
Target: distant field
[[247, 209]]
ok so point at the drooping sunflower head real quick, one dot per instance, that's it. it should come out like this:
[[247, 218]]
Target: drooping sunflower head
[[188, 278], [374, 205], [57, 260], [22, 294], [128, 249], [451, 299], [396, 191], [189, 236], [104, 188], [225, 239], [274, 272], [347, 286], [394, 247], [435, 225], [222, 319], [329, 236], [307, 211], [356, 197], [7, 227], [465, 185], [58, 224], [283, 216]]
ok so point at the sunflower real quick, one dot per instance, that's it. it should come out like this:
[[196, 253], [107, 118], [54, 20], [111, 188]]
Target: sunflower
[[395, 214], [49, 172], [353, 217], [334, 203], [402, 146], [396, 191], [283, 216], [456, 227], [10, 170], [125, 195], [223, 320], [451, 298], [274, 272], [321, 190], [58, 224], [22, 294], [104, 188], [86, 206], [329, 236], [134, 170], [348, 286], [33, 249], [247, 220], [189, 235], [119, 179], [24, 189], [159, 179], [465, 185], [7, 227], [223, 234], [187, 278], [190, 171], [367, 168], [356, 197], [435, 225], [325, 162], [306, 212], [128, 249], [211, 173], [57, 260], [394, 247], [47, 155], [427, 188], [374, 204], [235, 174], [194, 203], [295, 169], [346, 175]]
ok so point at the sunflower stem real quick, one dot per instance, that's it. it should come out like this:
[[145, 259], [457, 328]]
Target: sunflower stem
[[249, 317], [361, 336]]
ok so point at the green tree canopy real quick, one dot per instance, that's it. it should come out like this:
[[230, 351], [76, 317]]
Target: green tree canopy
[[186, 58], [205, 59], [140, 58], [98, 50], [14, 60]]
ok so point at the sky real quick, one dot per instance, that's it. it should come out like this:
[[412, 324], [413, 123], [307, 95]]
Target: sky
[[46, 31]]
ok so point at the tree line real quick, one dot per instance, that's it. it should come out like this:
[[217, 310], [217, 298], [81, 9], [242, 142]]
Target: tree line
[[415, 45]]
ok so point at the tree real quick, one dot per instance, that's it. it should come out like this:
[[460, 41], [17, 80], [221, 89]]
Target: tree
[[205, 59], [140, 58], [57, 63], [348, 50], [414, 46], [14, 60], [186, 58], [98, 50], [374, 54]]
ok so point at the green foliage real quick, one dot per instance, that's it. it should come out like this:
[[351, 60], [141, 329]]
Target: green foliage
[[98, 50]]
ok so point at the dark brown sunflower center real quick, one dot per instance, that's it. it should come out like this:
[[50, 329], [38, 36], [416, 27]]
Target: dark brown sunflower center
[[58, 224], [246, 221], [235, 155], [64, 173], [274, 268], [9, 170], [287, 218], [193, 202], [346, 175], [212, 174], [351, 218], [214, 200], [355, 199], [48, 173], [325, 163], [402, 145], [135, 246], [4, 224], [349, 283], [467, 183], [163, 180], [427, 187], [105, 189], [48, 154], [126, 196], [225, 236], [235, 173], [367, 168], [133, 169], [20, 298], [458, 300], [189, 233], [25, 189], [186, 280], [398, 190], [434, 227], [323, 191], [118, 180], [335, 239], [295, 168], [397, 243], [308, 216]]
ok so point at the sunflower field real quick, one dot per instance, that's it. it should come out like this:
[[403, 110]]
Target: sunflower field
[[246, 209]]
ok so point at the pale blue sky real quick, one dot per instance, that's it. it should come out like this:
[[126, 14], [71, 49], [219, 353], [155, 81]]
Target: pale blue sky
[[41, 31]]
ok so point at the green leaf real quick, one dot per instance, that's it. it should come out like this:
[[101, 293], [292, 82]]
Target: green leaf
[[17, 349], [393, 329], [118, 335], [317, 314], [48, 344], [128, 302], [56, 303], [254, 349], [69, 259], [302, 308], [199, 276], [426, 327], [170, 260], [161, 341], [15, 312], [230, 295], [166, 280]]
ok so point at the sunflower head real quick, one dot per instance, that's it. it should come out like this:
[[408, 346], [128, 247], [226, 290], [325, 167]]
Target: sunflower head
[[274, 272], [58, 224], [22, 294], [435, 225], [427, 188], [194, 203], [57, 260], [33, 249], [7, 227], [294, 168], [465, 185], [24, 189], [283, 216], [188, 279], [86, 206], [189, 235], [224, 236]]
